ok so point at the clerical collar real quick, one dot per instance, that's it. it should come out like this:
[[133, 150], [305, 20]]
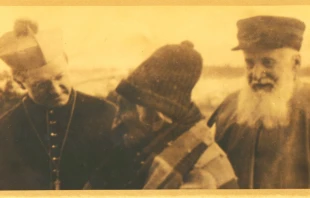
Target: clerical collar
[[32, 106]]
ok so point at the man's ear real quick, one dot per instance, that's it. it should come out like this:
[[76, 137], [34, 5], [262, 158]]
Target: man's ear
[[21, 85]]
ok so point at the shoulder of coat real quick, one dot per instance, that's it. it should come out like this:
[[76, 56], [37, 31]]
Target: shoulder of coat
[[225, 108], [96, 104]]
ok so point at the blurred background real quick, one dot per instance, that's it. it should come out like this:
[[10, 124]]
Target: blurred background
[[105, 43]]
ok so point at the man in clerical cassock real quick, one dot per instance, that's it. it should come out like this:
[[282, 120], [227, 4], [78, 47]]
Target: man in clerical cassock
[[264, 127], [56, 137]]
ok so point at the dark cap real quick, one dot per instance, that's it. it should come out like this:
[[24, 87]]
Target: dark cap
[[269, 32], [165, 80]]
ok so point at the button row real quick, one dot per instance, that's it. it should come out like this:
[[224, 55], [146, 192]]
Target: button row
[[54, 146]]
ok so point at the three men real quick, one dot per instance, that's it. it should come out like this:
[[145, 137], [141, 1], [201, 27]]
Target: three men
[[56, 138], [264, 127]]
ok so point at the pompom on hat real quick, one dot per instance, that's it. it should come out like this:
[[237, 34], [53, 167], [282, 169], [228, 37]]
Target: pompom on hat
[[26, 48], [270, 32], [165, 80]]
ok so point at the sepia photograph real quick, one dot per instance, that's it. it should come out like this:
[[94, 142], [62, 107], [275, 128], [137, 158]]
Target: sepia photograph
[[182, 98]]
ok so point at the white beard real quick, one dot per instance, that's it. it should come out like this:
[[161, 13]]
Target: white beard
[[270, 108]]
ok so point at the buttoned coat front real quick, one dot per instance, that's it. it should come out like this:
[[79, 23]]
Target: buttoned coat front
[[24, 160]]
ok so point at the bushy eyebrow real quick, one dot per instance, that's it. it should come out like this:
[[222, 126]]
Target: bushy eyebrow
[[40, 82], [249, 60], [269, 58], [59, 75]]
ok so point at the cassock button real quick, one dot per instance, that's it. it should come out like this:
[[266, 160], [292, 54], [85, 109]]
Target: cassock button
[[138, 154], [52, 122], [55, 158], [54, 170], [53, 134], [142, 162], [51, 111], [54, 146]]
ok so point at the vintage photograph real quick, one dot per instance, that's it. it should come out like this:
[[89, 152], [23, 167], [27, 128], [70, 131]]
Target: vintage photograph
[[154, 97]]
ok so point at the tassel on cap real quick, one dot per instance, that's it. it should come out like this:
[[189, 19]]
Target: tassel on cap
[[187, 44], [22, 27]]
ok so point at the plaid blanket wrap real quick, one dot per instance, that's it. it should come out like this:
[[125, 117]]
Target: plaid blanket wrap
[[193, 160]]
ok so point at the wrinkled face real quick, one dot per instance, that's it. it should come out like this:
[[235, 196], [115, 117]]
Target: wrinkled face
[[50, 88], [267, 68]]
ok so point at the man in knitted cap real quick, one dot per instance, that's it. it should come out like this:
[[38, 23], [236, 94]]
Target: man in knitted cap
[[264, 127], [176, 148], [56, 138]]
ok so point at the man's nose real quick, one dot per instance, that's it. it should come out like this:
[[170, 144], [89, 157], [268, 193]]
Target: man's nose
[[55, 88], [258, 72]]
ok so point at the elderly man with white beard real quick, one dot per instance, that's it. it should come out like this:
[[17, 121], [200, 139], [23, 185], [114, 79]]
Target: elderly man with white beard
[[264, 127]]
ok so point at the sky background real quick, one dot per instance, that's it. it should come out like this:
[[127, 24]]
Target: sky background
[[122, 37]]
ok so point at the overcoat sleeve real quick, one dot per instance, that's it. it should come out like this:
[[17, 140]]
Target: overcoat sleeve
[[113, 158]]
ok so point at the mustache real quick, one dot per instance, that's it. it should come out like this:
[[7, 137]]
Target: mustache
[[267, 79], [267, 86]]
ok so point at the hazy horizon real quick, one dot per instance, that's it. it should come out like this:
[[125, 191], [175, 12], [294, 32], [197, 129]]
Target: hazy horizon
[[122, 37]]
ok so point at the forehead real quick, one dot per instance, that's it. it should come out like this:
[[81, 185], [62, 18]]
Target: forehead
[[45, 74], [277, 54]]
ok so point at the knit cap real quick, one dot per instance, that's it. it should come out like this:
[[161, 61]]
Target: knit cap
[[165, 80]]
